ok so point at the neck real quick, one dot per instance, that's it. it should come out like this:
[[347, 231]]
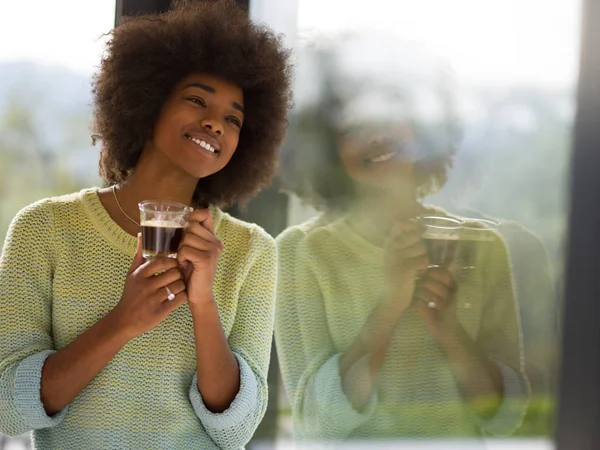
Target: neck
[[154, 178]]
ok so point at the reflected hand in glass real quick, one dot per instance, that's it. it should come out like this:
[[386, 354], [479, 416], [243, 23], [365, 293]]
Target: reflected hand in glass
[[162, 227]]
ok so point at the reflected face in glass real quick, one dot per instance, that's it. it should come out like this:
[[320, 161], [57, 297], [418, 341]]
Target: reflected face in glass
[[378, 155], [199, 126]]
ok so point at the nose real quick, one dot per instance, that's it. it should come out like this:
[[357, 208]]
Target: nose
[[212, 125]]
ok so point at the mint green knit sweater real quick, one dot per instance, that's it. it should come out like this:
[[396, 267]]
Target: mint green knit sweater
[[63, 268]]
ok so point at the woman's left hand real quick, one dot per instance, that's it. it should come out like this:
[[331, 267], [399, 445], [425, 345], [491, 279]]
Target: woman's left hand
[[198, 255], [435, 299]]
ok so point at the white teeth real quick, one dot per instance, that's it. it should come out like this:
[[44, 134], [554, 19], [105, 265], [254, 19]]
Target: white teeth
[[202, 144], [383, 158]]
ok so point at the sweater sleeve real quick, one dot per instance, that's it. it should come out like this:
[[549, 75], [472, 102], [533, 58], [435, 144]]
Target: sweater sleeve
[[26, 271], [502, 341], [250, 341], [308, 359]]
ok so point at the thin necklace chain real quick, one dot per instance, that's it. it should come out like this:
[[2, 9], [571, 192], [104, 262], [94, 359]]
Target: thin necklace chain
[[119, 205]]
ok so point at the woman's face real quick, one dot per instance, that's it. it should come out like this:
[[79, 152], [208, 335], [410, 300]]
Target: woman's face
[[199, 125], [378, 155]]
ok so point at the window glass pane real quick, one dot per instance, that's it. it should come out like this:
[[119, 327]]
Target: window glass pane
[[50, 50], [456, 109], [46, 67]]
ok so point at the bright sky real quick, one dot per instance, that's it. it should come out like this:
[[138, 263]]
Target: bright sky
[[498, 41], [56, 32]]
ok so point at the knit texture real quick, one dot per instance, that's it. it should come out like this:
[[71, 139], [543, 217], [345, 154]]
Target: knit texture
[[63, 268], [330, 279]]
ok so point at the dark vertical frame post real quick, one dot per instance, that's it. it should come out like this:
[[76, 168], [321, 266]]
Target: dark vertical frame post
[[268, 209], [579, 398], [139, 7]]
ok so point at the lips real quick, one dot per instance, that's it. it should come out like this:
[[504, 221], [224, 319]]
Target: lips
[[380, 155], [204, 141], [380, 158], [384, 152]]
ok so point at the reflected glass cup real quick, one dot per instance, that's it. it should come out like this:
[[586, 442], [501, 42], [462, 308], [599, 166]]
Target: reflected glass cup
[[162, 227], [441, 236], [476, 239]]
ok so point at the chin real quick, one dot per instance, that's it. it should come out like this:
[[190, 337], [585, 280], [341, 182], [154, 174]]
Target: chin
[[199, 174]]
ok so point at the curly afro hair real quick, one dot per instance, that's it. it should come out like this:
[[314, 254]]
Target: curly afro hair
[[313, 169], [147, 56]]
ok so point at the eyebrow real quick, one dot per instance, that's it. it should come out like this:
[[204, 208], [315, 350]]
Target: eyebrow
[[211, 90]]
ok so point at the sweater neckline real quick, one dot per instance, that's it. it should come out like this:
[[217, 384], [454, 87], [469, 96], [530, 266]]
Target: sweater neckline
[[110, 230]]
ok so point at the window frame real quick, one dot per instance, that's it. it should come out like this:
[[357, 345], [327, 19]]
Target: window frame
[[579, 387]]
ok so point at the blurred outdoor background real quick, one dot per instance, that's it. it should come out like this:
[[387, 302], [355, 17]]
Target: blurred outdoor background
[[515, 62]]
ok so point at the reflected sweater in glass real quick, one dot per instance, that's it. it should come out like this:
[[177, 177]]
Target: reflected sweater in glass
[[330, 280], [62, 269]]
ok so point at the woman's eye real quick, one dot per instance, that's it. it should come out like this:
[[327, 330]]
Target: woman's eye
[[197, 100], [235, 121]]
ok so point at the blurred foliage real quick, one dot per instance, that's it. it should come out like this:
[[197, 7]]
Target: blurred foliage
[[33, 167]]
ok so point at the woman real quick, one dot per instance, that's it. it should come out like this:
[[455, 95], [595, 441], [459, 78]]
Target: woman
[[374, 342], [190, 106]]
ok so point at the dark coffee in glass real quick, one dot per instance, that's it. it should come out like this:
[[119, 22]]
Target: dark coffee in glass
[[441, 236], [160, 240], [162, 227], [440, 251]]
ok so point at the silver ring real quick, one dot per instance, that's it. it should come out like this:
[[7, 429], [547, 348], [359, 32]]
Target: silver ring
[[171, 296], [432, 305]]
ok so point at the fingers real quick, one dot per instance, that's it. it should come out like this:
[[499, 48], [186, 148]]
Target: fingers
[[434, 288], [195, 230], [196, 255], [173, 289], [442, 276], [177, 287], [166, 279], [439, 289], [423, 307], [156, 265], [198, 243], [423, 296], [410, 248], [202, 217], [138, 258], [169, 306], [161, 293]]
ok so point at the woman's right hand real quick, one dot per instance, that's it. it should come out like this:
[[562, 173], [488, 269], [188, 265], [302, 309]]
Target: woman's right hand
[[144, 303], [405, 259]]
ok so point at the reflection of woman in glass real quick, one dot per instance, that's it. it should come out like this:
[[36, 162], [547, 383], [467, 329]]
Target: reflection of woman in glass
[[372, 342], [98, 352]]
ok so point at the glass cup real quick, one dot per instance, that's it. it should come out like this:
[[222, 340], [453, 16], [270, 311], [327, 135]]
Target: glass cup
[[162, 224], [476, 239], [441, 236]]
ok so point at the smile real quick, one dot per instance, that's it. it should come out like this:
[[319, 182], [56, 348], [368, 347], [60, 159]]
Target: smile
[[202, 143], [381, 158]]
